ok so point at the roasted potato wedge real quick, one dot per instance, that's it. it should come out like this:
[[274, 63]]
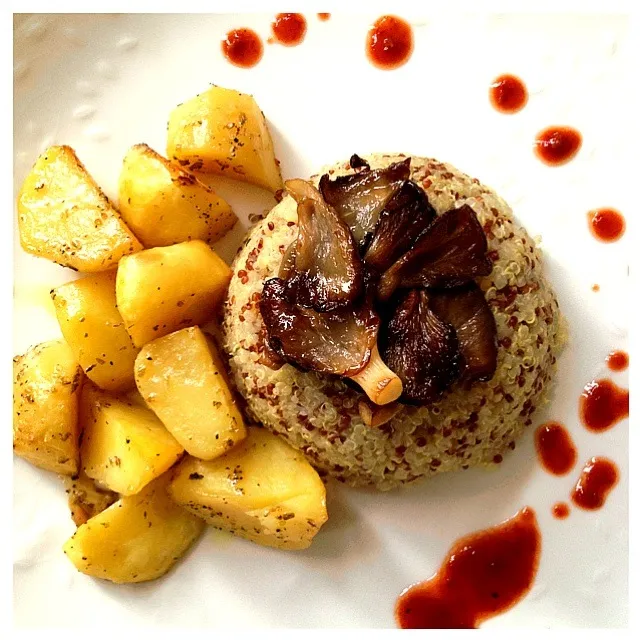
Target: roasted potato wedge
[[165, 289], [224, 132], [64, 216], [46, 386], [164, 204], [262, 490], [86, 498], [93, 328], [124, 446], [138, 538], [182, 378]]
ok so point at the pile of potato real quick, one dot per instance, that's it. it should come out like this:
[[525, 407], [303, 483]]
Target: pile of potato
[[133, 407]]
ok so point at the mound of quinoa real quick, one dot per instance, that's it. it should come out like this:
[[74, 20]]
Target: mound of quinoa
[[318, 414]]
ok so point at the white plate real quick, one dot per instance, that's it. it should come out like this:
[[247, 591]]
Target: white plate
[[103, 83]]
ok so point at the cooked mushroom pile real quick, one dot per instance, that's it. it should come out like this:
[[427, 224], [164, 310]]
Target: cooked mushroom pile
[[379, 289]]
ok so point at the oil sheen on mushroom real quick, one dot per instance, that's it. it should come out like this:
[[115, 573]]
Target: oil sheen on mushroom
[[451, 252], [360, 197], [337, 342], [421, 349], [328, 270], [466, 309]]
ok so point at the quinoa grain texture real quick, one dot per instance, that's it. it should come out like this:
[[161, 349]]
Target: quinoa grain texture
[[318, 414]]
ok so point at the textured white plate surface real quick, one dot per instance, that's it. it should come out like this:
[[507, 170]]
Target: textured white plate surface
[[103, 83]]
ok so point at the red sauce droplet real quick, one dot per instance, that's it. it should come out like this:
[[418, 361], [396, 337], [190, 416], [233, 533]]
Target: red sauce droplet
[[557, 145], [243, 48], [560, 510], [607, 225], [556, 451], [289, 29], [389, 42], [324, 16], [484, 574], [618, 360], [602, 404], [595, 287], [597, 479], [508, 94]]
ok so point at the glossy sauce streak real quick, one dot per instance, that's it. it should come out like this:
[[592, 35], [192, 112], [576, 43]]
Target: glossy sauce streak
[[560, 510], [618, 360], [602, 404], [597, 479], [243, 48], [389, 42], [557, 145], [484, 574], [289, 29], [607, 225], [556, 451], [508, 94], [324, 16]]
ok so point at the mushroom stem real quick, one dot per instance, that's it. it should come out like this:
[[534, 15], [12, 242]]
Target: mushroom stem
[[378, 381], [375, 416]]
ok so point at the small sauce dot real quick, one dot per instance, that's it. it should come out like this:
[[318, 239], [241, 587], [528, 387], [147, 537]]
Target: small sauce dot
[[596, 481], [324, 16], [607, 225], [560, 510], [602, 404], [618, 360], [242, 48], [508, 94], [595, 287], [389, 42], [289, 29], [557, 145], [556, 450]]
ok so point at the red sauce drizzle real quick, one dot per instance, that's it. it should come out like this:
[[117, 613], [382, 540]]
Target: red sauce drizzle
[[484, 574], [389, 42], [508, 94], [597, 479], [560, 510], [289, 29], [556, 451], [324, 16], [618, 360], [243, 48], [557, 145], [607, 225], [602, 404]]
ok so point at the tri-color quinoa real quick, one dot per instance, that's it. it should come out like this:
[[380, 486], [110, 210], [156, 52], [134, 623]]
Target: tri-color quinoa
[[319, 415]]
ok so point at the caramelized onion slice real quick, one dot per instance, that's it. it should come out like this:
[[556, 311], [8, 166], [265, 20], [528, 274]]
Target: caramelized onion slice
[[467, 311], [404, 219], [360, 197], [421, 349], [328, 269], [452, 251], [337, 342]]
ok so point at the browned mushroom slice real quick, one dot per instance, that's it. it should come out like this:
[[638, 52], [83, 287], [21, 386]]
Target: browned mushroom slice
[[337, 342], [403, 220], [468, 312], [288, 264], [421, 349], [452, 251], [356, 162], [328, 269], [360, 197]]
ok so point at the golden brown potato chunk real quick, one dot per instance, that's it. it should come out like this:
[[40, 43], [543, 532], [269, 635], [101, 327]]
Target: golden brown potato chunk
[[46, 385], [164, 204], [224, 132], [138, 538], [165, 289], [182, 378], [64, 216], [262, 490], [124, 446], [93, 328], [86, 498]]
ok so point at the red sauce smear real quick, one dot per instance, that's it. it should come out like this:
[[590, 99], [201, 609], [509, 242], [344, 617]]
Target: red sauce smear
[[560, 510], [289, 29], [597, 479], [508, 94], [324, 16], [602, 404], [484, 574], [243, 48], [389, 42], [555, 448], [557, 145], [607, 225], [618, 360]]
